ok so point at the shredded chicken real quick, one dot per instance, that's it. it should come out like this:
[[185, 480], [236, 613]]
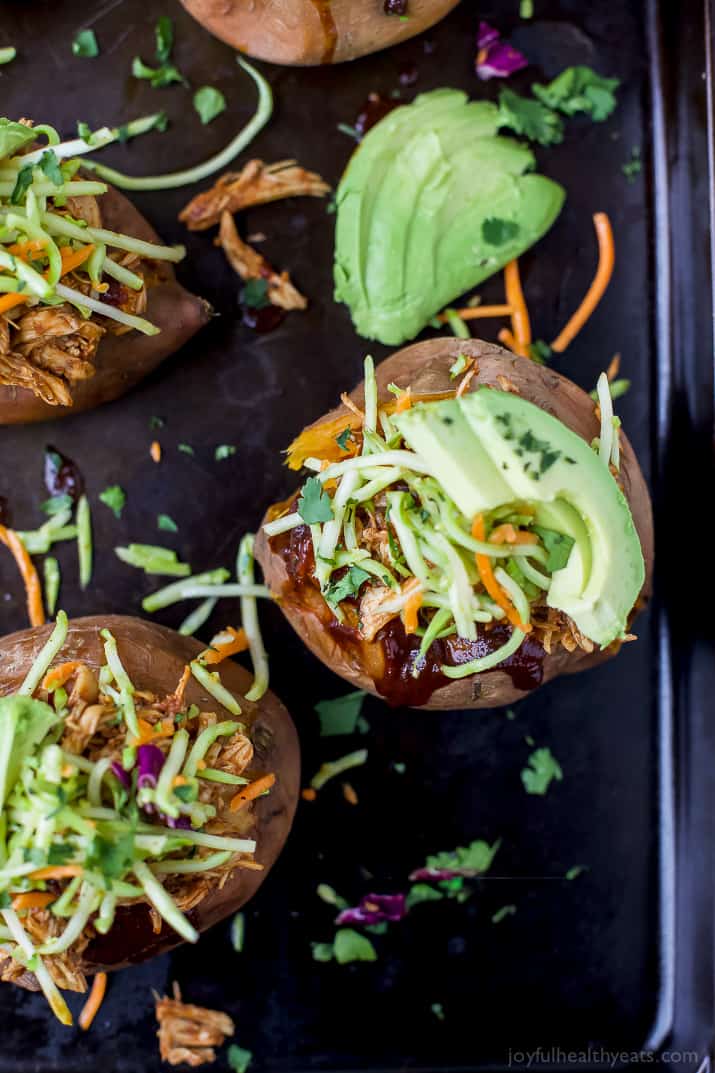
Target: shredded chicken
[[256, 184], [553, 628], [372, 615], [249, 264], [16, 371], [189, 1033], [64, 968]]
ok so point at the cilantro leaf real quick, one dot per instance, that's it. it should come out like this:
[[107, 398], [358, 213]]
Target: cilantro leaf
[[542, 770], [461, 362], [254, 294], [476, 857], [22, 184], [60, 853], [633, 167], [164, 34], [530, 118], [322, 951], [85, 44], [497, 232], [56, 504], [341, 715], [348, 585], [558, 546], [209, 102], [540, 352], [350, 946], [157, 77], [314, 504], [579, 89], [422, 892], [617, 389], [239, 1058], [342, 439], [114, 497], [224, 451], [156, 422], [50, 166], [166, 523], [112, 858], [575, 870]]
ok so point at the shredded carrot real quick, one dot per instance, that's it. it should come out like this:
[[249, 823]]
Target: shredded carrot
[[349, 794], [478, 312], [180, 780], [200, 765], [57, 871], [309, 794], [149, 732], [183, 682], [60, 674], [94, 1001], [238, 643], [33, 589], [520, 323], [23, 249], [411, 609], [594, 294], [507, 534], [404, 401], [155, 451], [71, 259], [506, 337], [254, 789], [614, 367], [33, 899], [324, 464], [490, 583]]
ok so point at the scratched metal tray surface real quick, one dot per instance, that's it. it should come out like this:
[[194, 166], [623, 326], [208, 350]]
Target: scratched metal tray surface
[[618, 959]]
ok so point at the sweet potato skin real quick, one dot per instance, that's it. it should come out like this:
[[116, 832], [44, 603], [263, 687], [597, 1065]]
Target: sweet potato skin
[[425, 367], [154, 658], [121, 361], [308, 32]]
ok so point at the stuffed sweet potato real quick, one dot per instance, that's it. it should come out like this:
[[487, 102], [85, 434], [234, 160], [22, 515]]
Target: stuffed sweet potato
[[306, 32], [172, 798], [89, 302], [460, 541]]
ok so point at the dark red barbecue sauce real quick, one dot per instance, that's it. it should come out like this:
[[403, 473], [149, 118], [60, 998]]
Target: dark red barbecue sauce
[[375, 108], [397, 684], [62, 475], [263, 319]]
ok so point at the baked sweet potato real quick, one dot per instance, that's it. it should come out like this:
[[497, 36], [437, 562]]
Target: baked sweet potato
[[154, 658], [382, 665], [121, 361], [307, 32]]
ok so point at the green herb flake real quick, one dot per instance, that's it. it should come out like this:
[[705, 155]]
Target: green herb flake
[[157, 77], [558, 547], [579, 90], [114, 497], [85, 44], [540, 352], [503, 913], [438, 1010], [422, 892], [164, 36], [341, 715], [238, 932], [459, 366], [342, 439], [209, 102], [399, 767], [322, 951], [50, 166], [113, 858], [56, 504], [349, 946], [542, 770], [22, 184], [224, 451], [498, 232], [166, 523], [532, 119], [576, 870], [510, 713], [633, 167], [239, 1058], [526, 9], [617, 388], [348, 585], [314, 504], [186, 449], [254, 294], [330, 896]]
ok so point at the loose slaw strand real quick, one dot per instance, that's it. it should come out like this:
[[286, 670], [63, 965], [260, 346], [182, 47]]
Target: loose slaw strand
[[44, 658], [171, 594], [475, 313], [126, 688], [52, 576], [483, 663], [249, 620], [94, 1001], [171, 180], [49, 988], [82, 301], [33, 588], [594, 294], [84, 541], [215, 688], [605, 402], [196, 619], [163, 903], [520, 323]]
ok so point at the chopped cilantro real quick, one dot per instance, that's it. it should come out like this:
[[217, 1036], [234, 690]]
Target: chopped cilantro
[[497, 232], [422, 892], [209, 102], [56, 504], [164, 35], [575, 870], [330, 896], [254, 294], [239, 1058], [85, 44], [112, 858], [114, 497], [349, 946], [438, 1010], [617, 389], [157, 77], [348, 585], [476, 857], [460, 364], [22, 184], [224, 451], [342, 439], [399, 767], [341, 715], [50, 166], [5, 901], [633, 167], [60, 853], [540, 352], [186, 449], [501, 914], [314, 504], [166, 523], [156, 423], [514, 571], [352, 132], [530, 118], [542, 770], [322, 951], [558, 546], [510, 713], [579, 89]]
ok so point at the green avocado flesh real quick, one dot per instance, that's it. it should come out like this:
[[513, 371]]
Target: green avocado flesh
[[492, 448], [412, 205]]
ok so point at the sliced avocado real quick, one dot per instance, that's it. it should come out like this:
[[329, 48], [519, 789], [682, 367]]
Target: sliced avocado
[[412, 204], [541, 461]]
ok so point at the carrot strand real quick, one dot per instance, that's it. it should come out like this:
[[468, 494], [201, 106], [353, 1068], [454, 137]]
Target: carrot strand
[[94, 1001], [478, 312], [594, 294], [248, 793], [33, 589], [490, 583], [520, 323]]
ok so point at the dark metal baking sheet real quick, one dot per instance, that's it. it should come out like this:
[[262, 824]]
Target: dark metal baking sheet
[[619, 959]]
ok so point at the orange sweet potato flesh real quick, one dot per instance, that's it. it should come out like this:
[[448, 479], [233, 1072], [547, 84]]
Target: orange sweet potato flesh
[[121, 361], [154, 658], [307, 32], [425, 368]]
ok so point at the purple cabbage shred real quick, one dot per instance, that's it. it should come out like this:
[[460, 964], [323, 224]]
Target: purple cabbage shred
[[496, 58], [374, 908]]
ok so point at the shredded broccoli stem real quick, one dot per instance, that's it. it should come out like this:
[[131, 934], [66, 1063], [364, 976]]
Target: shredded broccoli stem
[[214, 687], [191, 589], [194, 621], [605, 403], [336, 767], [370, 384], [39, 541], [126, 688], [49, 988], [189, 866], [204, 742], [249, 620], [44, 658], [87, 903], [214, 775], [83, 301], [171, 594], [283, 525], [163, 904], [84, 541], [484, 663], [163, 794], [51, 573], [60, 225], [172, 180], [457, 325]]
